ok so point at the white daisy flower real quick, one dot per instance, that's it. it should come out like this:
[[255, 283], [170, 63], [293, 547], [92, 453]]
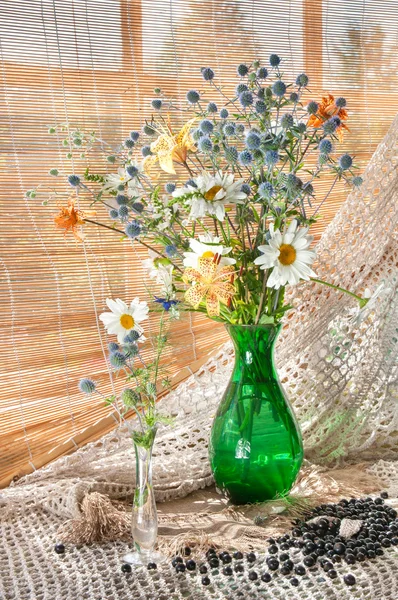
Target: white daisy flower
[[114, 180], [161, 272], [360, 314], [288, 256], [124, 318], [212, 194], [206, 247]]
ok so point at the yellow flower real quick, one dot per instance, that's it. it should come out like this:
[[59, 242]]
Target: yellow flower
[[170, 147], [211, 282]]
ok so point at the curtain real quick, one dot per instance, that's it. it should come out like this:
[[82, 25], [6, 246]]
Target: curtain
[[94, 65]]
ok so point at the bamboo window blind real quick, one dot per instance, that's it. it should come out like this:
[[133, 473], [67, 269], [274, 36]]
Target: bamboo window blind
[[95, 64]]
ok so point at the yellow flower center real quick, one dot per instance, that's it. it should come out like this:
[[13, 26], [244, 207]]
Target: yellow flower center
[[208, 254], [127, 321], [212, 192], [287, 254]]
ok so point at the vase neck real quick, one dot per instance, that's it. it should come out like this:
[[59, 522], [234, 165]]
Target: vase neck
[[254, 346]]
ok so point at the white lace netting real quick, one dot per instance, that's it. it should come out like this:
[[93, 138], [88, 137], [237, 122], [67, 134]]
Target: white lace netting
[[341, 379]]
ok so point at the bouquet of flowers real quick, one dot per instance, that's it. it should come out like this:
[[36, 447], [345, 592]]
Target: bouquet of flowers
[[222, 193]]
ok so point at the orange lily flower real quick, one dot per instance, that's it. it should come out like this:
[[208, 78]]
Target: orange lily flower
[[327, 109], [70, 219], [211, 282], [170, 147]]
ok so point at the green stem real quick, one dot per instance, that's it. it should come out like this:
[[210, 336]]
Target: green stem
[[337, 287]]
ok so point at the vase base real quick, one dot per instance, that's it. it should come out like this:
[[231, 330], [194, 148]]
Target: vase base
[[144, 558]]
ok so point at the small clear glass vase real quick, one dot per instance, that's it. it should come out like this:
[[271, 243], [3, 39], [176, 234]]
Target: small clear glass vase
[[144, 525]]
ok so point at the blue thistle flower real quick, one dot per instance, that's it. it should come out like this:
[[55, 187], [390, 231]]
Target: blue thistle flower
[[157, 103], [129, 397], [253, 140], [262, 73], [131, 337], [231, 154], [120, 187], [148, 130], [132, 171], [336, 120], [261, 93], [242, 70], [224, 113], [229, 129], [113, 213], [308, 189], [329, 127], [212, 107], [207, 74], [133, 229], [258, 155], [279, 88], [271, 157], [240, 88], [294, 97], [74, 180], [340, 102], [122, 199], [137, 207], [130, 349], [170, 187], [293, 182], [323, 159], [170, 250], [54, 172], [193, 96], [345, 162], [129, 143], [191, 183], [205, 144], [197, 134], [287, 121], [240, 128], [117, 359], [301, 127], [357, 181], [265, 190], [246, 99], [325, 146], [206, 126], [245, 157], [87, 386], [216, 149], [113, 346], [274, 60], [260, 107], [246, 189], [312, 108], [302, 80], [111, 159], [123, 212], [146, 151], [134, 135], [167, 304]]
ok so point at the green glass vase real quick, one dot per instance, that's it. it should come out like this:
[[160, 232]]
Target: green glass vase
[[255, 445]]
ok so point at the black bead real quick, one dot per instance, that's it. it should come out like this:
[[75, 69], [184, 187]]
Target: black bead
[[361, 557], [273, 563], [126, 568], [336, 558], [299, 570], [349, 579], [310, 546], [238, 555], [296, 532], [339, 548], [294, 581], [371, 553], [285, 546], [211, 552], [214, 562], [332, 574], [202, 569], [271, 541], [327, 565], [180, 568], [284, 556], [59, 548], [239, 568], [284, 570], [152, 566], [273, 549], [379, 501], [187, 551], [379, 552], [309, 561], [227, 570], [253, 575], [250, 557], [266, 577], [205, 580], [191, 565], [226, 558]]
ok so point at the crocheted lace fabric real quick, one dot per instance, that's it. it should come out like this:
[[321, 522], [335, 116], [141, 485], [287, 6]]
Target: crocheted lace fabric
[[341, 378]]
